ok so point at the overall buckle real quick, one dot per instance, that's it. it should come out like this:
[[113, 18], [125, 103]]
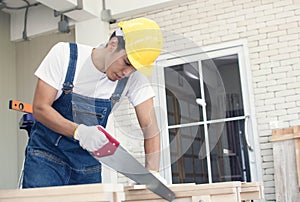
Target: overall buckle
[[67, 87]]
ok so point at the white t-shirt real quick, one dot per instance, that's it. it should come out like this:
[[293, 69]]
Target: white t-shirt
[[88, 80]]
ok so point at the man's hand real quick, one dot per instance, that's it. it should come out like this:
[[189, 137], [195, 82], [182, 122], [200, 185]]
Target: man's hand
[[158, 176], [90, 137]]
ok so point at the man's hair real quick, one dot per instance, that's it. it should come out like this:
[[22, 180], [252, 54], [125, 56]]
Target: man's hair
[[121, 41]]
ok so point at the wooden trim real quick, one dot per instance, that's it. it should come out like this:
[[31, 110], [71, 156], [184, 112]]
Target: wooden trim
[[286, 133]]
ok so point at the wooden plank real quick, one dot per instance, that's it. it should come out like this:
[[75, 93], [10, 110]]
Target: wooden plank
[[296, 129], [185, 186], [89, 192], [297, 153], [252, 191], [289, 134], [286, 185], [279, 138], [204, 198], [228, 190], [282, 134], [193, 191], [227, 197], [61, 190], [286, 133], [283, 131], [189, 186], [100, 197]]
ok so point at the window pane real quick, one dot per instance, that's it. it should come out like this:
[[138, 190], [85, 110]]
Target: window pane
[[187, 166], [227, 102], [229, 155], [182, 90]]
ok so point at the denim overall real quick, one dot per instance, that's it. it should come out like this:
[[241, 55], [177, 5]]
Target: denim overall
[[56, 160]]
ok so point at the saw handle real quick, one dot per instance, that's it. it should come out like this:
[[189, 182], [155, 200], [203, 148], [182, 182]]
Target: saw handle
[[109, 148]]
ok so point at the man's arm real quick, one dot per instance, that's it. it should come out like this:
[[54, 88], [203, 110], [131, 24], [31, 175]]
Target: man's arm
[[148, 123], [42, 110]]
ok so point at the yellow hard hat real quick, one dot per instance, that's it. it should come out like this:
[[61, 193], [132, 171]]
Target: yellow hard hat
[[143, 43]]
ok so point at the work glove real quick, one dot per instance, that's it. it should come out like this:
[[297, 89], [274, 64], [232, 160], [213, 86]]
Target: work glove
[[90, 137], [158, 176]]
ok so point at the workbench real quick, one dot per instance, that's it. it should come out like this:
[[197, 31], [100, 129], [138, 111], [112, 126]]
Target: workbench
[[216, 192]]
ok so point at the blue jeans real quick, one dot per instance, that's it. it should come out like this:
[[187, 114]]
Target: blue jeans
[[53, 171]]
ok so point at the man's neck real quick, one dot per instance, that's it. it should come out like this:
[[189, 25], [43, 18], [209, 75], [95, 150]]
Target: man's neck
[[98, 55]]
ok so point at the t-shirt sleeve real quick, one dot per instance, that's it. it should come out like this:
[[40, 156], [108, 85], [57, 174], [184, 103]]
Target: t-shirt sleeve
[[139, 89], [52, 69]]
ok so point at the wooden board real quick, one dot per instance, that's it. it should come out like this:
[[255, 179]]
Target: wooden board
[[285, 134], [285, 171], [78, 193], [297, 152], [216, 192], [252, 191]]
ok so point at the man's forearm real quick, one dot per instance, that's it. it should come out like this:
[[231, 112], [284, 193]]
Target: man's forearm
[[147, 120], [152, 152], [53, 120], [44, 112]]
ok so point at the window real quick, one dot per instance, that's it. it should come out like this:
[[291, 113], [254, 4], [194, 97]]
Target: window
[[208, 129]]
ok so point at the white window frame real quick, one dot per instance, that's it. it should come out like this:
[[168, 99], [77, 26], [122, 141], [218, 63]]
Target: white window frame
[[238, 47]]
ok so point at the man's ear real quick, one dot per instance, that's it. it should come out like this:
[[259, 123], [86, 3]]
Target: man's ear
[[112, 44]]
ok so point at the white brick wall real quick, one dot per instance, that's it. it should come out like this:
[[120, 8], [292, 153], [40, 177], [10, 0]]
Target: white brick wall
[[272, 30]]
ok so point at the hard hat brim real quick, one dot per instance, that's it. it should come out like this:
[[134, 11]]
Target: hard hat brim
[[146, 70]]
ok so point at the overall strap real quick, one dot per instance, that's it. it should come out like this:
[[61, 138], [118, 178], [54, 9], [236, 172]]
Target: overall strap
[[68, 84], [115, 97]]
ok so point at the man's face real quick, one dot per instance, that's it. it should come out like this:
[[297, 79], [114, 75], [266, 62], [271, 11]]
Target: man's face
[[118, 65]]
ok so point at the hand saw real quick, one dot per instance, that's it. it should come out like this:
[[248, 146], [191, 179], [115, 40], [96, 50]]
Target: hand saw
[[115, 156]]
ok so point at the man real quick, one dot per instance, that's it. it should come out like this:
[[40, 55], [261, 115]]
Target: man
[[76, 89]]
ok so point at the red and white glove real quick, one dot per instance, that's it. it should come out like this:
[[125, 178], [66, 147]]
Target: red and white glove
[[90, 137]]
